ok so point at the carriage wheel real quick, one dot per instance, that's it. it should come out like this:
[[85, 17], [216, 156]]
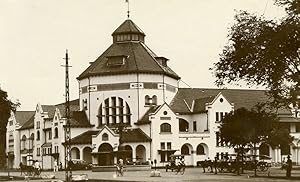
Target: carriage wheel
[[182, 170]]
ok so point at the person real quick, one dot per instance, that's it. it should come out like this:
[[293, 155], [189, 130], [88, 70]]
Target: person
[[120, 166], [215, 164], [60, 165], [21, 167], [55, 166], [36, 166], [289, 166]]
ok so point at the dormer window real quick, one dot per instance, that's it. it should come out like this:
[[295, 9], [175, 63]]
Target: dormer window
[[150, 101], [116, 60]]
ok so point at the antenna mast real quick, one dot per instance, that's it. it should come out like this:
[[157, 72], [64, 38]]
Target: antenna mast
[[68, 173]]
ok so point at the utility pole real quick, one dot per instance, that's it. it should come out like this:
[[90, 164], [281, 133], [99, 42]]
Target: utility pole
[[68, 171]]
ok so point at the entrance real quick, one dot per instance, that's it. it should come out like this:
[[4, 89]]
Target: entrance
[[105, 156]]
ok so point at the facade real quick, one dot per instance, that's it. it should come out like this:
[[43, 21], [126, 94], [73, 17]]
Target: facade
[[130, 106]]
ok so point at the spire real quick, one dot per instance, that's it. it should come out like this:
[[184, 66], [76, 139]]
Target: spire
[[128, 12]]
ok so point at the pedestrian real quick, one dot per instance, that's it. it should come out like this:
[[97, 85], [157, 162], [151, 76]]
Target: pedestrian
[[55, 166], [21, 167], [215, 164], [289, 166], [60, 165]]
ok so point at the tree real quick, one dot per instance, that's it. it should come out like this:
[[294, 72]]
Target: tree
[[264, 52], [243, 128], [6, 107]]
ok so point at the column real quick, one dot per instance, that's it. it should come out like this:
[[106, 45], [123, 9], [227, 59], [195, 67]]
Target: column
[[133, 154], [193, 157], [81, 153]]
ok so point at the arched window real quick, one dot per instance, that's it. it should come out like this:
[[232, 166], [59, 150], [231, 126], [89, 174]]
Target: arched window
[[56, 132], [200, 150], [185, 150], [183, 125], [154, 100], [114, 110], [264, 149], [105, 137], [147, 100], [165, 128], [38, 135]]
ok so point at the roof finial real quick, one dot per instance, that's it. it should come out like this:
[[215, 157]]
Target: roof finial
[[127, 1]]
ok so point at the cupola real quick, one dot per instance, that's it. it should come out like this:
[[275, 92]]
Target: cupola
[[128, 31]]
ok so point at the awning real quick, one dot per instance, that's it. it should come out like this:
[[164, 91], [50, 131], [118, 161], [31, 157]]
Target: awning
[[170, 151]]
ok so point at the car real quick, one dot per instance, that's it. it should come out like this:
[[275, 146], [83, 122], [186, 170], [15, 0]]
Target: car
[[78, 164]]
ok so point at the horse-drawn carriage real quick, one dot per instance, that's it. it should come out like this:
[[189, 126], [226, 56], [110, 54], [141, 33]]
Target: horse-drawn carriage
[[231, 164], [31, 170]]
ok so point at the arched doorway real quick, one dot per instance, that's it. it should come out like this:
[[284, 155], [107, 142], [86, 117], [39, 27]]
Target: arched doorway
[[202, 149], [264, 149], [105, 157], [87, 156], [128, 154], [140, 154], [75, 153], [186, 149]]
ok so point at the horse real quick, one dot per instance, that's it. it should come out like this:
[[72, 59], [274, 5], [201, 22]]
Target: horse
[[27, 170], [206, 164]]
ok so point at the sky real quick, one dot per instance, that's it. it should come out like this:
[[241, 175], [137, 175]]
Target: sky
[[35, 34]]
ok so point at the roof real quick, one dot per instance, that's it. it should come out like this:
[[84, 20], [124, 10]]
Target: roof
[[128, 27], [134, 57], [23, 116], [145, 117], [199, 104], [135, 135], [28, 124], [239, 97], [74, 106], [84, 138], [79, 119], [139, 60]]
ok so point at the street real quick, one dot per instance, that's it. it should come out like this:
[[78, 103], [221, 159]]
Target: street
[[191, 174]]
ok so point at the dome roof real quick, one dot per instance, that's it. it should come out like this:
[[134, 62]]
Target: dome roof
[[128, 54]]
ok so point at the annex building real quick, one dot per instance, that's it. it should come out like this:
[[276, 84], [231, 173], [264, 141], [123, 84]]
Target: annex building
[[130, 105]]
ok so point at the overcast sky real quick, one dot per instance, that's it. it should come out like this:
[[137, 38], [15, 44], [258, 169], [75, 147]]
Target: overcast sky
[[34, 35]]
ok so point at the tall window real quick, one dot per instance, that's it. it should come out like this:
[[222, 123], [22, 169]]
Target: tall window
[[38, 135], [165, 128], [56, 132], [114, 110], [38, 151], [297, 127], [50, 134], [183, 125], [194, 126], [38, 125]]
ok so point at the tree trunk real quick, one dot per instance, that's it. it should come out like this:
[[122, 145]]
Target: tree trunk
[[2, 147], [255, 163]]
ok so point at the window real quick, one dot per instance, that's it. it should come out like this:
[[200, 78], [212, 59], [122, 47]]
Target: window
[[149, 101], [50, 134], [114, 110], [217, 117], [56, 149], [105, 137], [169, 145], [38, 135], [165, 128], [183, 125], [194, 126], [162, 146], [38, 151], [219, 141], [185, 150], [200, 150], [11, 123], [56, 132], [84, 104], [38, 125]]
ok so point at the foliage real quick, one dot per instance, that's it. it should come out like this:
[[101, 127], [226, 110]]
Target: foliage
[[6, 107], [264, 52], [248, 128]]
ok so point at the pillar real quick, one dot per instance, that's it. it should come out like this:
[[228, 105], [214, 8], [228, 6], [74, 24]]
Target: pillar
[[193, 158]]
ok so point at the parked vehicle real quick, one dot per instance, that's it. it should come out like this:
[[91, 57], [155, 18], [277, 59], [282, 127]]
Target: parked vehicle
[[78, 164]]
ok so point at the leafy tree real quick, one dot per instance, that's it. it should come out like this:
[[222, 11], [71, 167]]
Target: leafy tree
[[243, 128], [264, 52], [6, 106]]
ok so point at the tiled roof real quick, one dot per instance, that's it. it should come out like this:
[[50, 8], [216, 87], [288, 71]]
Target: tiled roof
[[239, 97], [145, 117], [128, 27], [23, 116], [135, 135], [199, 104], [84, 138], [139, 60], [74, 106], [79, 119], [28, 124]]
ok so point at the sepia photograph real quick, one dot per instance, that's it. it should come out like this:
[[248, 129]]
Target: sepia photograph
[[149, 90]]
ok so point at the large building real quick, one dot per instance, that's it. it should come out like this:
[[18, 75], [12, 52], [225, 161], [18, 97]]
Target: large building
[[130, 105]]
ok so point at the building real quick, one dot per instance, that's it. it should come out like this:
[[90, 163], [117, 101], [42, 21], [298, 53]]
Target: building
[[130, 105]]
